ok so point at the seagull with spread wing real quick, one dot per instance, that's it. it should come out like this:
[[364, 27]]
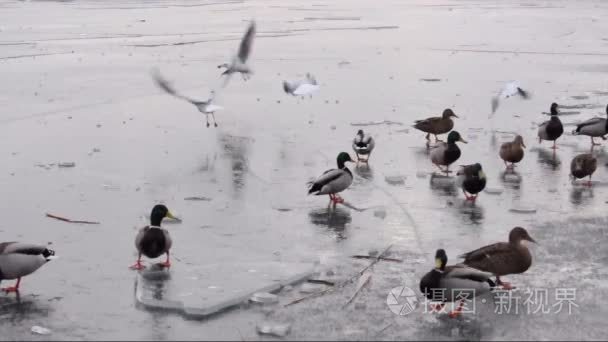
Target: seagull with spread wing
[[239, 62], [510, 89], [301, 87], [205, 107]]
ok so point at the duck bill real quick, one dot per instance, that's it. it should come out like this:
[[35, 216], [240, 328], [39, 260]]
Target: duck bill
[[523, 145], [456, 116], [531, 240], [52, 257], [462, 140], [438, 264]]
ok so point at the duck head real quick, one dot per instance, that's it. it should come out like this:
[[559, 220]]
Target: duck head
[[554, 109], [342, 158], [479, 170], [360, 132], [454, 136], [519, 234], [159, 212], [519, 141], [448, 113], [441, 259]]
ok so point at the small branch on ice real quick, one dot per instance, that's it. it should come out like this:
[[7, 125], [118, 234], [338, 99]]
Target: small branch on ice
[[372, 257], [68, 220]]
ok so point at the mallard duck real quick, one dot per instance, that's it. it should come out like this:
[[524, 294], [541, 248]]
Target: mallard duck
[[512, 152], [551, 129], [333, 181], [511, 88], [594, 127], [450, 283], [363, 144], [239, 62], [447, 153], [583, 165], [472, 180], [436, 125], [18, 260], [205, 107], [503, 258], [153, 240]]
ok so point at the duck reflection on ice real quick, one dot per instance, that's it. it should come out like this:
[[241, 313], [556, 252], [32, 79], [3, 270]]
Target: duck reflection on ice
[[471, 212], [511, 179], [237, 150], [444, 185], [363, 170], [549, 158], [333, 218], [15, 309], [580, 195]]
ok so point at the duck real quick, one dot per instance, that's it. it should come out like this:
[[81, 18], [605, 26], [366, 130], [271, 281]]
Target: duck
[[594, 128], [472, 180], [512, 152], [153, 241], [447, 283], [551, 129], [583, 165], [239, 61], [436, 125], [503, 258], [363, 145], [445, 154], [333, 181], [18, 260]]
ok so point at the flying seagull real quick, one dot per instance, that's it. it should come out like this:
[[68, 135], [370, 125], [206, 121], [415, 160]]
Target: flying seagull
[[239, 62], [511, 88], [302, 87], [205, 107]]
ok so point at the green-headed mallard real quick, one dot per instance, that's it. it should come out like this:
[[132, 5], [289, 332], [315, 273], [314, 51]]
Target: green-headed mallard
[[451, 283], [333, 181], [512, 152], [503, 258], [583, 165], [472, 180], [436, 125], [153, 240], [551, 129], [594, 127], [363, 145], [18, 260], [445, 154]]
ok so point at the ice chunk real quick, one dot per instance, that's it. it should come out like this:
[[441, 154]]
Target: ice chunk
[[525, 209], [66, 164], [494, 190], [312, 288], [274, 329], [381, 213], [264, 298], [36, 329], [395, 180]]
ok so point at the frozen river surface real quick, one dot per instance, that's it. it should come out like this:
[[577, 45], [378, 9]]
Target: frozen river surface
[[76, 87]]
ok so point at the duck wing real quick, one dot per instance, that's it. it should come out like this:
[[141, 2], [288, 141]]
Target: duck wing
[[461, 271], [22, 248], [331, 181], [489, 258], [427, 124], [589, 125]]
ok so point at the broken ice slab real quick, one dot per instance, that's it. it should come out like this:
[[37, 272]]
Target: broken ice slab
[[264, 298], [494, 190], [273, 329], [380, 213], [523, 208], [40, 330], [395, 180], [312, 287], [66, 164], [202, 291]]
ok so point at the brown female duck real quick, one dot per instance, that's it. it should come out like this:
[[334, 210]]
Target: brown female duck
[[583, 165], [512, 152], [436, 125], [503, 258]]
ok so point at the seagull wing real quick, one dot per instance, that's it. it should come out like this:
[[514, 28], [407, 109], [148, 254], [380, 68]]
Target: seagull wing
[[305, 89], [523, 93], [163, 84], [247, 43]]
